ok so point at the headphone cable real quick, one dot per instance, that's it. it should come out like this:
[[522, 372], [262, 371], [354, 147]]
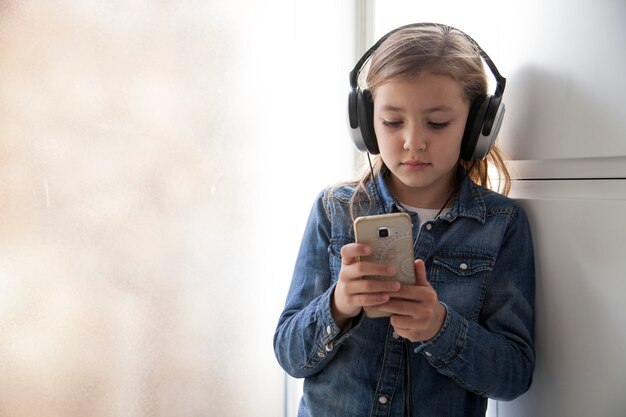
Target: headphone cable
[[408, 398], [380, 198], [457, 188], [408, 389]]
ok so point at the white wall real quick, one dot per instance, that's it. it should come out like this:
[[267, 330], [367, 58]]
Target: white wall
[[157, 162], [580, 240], [566, 134], [565, 63]]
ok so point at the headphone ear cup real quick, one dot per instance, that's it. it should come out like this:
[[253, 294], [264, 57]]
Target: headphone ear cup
[[359, 117], [491, 127], [352, 118], [473, 126], [365, 114], [482, 126]]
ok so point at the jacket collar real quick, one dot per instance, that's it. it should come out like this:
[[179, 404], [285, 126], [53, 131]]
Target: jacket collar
[[467, 203]]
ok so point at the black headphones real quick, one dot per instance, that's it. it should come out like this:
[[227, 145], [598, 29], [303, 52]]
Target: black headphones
[[483, 121]]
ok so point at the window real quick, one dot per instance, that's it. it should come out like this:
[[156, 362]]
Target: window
[[158, 163]]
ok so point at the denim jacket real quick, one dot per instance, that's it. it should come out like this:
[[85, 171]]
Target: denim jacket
[[479, 259]]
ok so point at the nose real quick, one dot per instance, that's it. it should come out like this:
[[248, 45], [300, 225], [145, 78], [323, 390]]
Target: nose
[[415, 139]]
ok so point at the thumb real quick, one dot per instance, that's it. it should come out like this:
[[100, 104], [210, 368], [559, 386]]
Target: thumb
[[420, 273]]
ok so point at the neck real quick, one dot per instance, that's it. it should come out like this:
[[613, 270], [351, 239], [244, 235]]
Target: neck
[[435, 196]]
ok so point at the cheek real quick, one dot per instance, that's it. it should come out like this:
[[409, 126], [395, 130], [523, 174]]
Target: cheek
[[387, 144], [386, 153], [448, 149], [382, 137], [456, 139]]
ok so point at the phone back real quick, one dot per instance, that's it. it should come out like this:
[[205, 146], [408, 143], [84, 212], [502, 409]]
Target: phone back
[[391, 238]]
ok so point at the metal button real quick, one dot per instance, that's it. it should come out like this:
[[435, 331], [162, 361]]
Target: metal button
[[428, 354], [429, 226], [382, 399], [463, 266], [395, 335], [328, 347], [321, 354], [329, 330]]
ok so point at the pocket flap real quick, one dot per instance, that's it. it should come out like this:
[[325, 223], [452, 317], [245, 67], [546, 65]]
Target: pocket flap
[[464, 264]]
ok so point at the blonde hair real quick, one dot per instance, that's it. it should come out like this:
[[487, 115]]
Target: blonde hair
[[412, 51]]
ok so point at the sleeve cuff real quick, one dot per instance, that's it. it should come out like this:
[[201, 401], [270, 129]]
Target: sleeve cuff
[[331, 334]]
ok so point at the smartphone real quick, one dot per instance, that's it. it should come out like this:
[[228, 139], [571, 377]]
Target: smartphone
[[391, 238]]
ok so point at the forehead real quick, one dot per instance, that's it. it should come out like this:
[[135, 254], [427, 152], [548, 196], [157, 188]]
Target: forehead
[[428, 89]]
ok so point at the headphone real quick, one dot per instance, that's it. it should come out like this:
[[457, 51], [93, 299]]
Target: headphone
[[483, 121]]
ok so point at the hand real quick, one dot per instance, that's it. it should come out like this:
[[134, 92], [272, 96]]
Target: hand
[[352, 292], [416, 313]]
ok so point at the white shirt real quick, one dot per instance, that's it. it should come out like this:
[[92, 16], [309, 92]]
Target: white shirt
[[425, 215]]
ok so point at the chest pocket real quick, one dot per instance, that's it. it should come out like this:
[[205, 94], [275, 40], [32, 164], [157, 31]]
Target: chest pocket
[[460, 280]]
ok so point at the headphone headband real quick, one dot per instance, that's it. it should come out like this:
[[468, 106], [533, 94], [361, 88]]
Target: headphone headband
[[500, 80]]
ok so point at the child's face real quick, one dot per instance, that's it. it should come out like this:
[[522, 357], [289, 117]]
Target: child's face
[[419, 125]]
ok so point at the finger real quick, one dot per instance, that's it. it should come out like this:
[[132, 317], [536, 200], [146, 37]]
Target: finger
[[351, 252], [412, 335], [371, 300], [406, 323], [416, 294], [400, 307], [420, 273], [370, 269], [369, 286], [411, 300], [424, 326]]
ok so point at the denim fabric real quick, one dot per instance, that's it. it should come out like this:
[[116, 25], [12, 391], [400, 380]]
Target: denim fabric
[[479, 259]]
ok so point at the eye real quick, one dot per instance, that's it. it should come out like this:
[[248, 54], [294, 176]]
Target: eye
[[392, 123], [438, 125]]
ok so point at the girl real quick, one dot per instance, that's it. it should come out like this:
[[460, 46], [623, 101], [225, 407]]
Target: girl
[[464, 331]]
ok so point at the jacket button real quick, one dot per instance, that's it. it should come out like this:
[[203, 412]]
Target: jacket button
[[382, 399], [429, 226], [463, 266], [328, 347]]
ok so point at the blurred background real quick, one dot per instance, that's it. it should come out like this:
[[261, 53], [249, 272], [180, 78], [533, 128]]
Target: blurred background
[[157, 163]]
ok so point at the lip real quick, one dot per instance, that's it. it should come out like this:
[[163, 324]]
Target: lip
[[415, 165]]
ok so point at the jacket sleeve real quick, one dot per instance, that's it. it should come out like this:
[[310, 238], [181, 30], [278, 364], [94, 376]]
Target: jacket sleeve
[[495, 356], [307, 338]]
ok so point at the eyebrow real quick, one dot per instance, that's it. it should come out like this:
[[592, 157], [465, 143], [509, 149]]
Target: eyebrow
[[389, 107]]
